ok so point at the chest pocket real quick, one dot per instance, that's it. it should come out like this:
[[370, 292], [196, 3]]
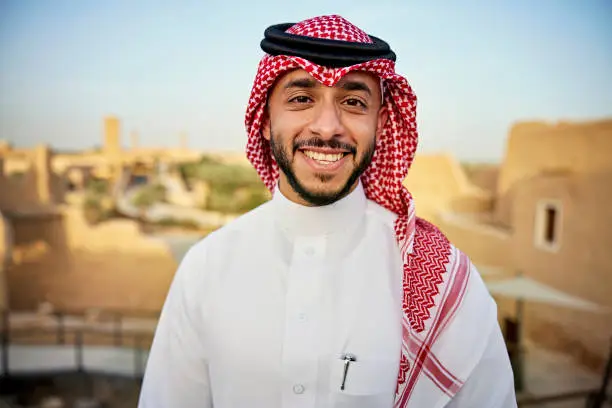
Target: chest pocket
[[368, 384]]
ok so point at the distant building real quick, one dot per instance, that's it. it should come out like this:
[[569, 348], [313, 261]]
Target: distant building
[[50, 253], [112, 135]]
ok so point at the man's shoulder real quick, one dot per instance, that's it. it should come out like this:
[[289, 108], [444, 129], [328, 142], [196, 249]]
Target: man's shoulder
[[380, 214]]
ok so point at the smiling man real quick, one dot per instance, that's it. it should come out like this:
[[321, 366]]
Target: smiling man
[[323, 138], [333, 294]]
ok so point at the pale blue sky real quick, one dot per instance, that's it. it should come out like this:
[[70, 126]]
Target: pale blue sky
[[166, 67]]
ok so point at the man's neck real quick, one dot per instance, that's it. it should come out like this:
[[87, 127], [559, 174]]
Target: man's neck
[[285, 188], [298, 219]]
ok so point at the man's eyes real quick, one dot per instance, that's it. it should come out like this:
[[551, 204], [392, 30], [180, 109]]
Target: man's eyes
[[300, 99], [355, 102]]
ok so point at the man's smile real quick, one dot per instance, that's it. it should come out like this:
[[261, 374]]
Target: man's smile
[[326, 160]]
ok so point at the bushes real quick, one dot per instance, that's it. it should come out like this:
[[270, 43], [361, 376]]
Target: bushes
[[148, 195], [190, 170], [97, 208], [97, 187], [234, 188], [228, 178], [236, 202], [172, 222], [97, 205]]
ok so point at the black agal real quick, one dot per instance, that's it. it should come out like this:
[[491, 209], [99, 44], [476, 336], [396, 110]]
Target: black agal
[[323, 51]]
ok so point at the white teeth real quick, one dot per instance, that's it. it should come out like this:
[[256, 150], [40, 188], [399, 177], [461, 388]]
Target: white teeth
[[323, 157]]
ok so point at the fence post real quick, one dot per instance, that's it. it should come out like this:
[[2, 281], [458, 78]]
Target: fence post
[[118, 329], [78, 349], [137, 356], [5, 342], [60, 328]]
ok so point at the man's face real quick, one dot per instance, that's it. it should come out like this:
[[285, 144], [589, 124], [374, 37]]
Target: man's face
[[323, 138]]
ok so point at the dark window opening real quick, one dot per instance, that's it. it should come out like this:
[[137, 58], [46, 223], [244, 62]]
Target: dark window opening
[[550, 223]]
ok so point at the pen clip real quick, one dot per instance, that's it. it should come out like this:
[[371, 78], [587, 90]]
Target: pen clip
[[348, 358]]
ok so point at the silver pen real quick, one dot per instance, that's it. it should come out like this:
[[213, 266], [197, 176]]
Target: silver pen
[[348, 359]]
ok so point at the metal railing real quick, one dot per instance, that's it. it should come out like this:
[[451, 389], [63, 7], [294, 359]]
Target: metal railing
[[108, 330], [115, 334]]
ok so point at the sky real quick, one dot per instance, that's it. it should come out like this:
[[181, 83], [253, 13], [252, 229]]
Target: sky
[[167, 68]]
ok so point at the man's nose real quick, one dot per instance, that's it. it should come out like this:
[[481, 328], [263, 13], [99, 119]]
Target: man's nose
[[327, 120]]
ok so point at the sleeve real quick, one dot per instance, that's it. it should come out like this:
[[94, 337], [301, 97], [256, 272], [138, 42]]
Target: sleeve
[[491, 383], [176, 373]]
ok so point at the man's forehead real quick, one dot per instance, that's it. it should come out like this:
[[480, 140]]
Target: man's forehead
[[299, 73]]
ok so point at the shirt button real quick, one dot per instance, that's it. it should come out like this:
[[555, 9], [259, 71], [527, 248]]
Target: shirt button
[[309, 251], [298, 389], [302, 317]]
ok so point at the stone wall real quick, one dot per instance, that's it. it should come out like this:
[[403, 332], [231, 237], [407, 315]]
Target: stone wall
[[580, 263], [75, 266], [486, 245], [27, 181], [534, 148], [436, 181]]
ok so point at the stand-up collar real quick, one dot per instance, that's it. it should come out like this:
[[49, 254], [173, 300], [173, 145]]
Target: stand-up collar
[[300, 220]]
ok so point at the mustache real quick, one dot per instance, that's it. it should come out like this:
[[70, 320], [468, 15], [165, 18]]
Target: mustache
[[331, 144]]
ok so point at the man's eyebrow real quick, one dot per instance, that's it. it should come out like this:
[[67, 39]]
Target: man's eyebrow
[[301, 83], [356, 86], [312, 83]]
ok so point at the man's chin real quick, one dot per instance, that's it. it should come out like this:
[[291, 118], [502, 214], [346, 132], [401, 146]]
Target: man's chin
[[323, 195]]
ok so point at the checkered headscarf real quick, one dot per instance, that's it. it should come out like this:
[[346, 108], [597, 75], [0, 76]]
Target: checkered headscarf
[[423, 247]]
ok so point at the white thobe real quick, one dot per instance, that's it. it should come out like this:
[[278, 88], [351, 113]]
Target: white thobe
[[261, 311]]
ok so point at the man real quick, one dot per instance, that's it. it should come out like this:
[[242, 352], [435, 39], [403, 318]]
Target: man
[[333, 294]]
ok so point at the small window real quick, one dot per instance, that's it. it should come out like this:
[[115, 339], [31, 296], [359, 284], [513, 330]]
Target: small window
[[551, 214], [548, 225]]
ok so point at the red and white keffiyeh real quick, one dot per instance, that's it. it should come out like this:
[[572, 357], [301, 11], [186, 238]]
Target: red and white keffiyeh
[[435, 274]]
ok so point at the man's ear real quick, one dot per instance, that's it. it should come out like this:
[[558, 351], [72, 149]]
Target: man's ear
[[383, 115], [265, 126]]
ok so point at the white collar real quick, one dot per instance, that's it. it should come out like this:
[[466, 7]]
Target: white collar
[[301, 220]]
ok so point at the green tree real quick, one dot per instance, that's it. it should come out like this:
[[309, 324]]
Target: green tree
[[97, 205], [233, 188], [92, 210], [148, 195], [97, 186]]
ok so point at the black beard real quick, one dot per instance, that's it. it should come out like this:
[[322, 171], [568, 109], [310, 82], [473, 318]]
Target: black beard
[[320, 199]]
